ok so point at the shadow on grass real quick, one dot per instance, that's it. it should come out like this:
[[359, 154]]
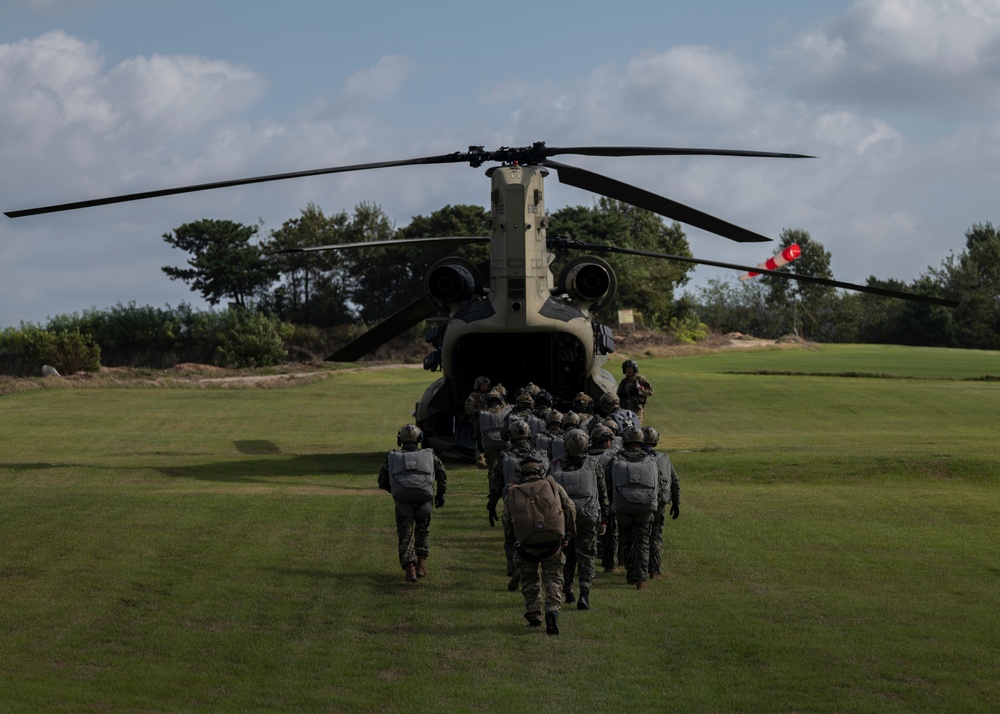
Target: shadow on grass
[[278, 466]]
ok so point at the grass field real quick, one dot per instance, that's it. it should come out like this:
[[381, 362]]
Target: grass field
[[181, 549]]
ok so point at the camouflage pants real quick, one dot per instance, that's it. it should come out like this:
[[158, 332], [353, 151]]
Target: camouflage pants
[[535, 576], [413, 528], [581, 556], [633, 531], [656, 543], [609, 543]]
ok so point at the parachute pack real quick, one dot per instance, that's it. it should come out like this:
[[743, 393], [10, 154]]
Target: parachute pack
[[635, 485], [411, 475], [536, 511]]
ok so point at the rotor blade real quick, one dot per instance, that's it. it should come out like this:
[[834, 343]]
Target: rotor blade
[[395, 324], [377, 243], [441, 159], [661, 151], [589, 181], [885, 292]]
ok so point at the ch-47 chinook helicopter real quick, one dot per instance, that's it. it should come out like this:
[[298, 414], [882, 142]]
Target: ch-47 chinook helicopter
[[511, 318]]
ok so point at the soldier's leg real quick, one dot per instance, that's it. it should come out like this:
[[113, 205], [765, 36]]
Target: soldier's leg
[[609, 558], [422, 528], [552, 576], [625, 539], [531, 590], [569, 569], [586, 556], [640, 547], [404, 533], [656, 544], [638, 413], [508, 545]]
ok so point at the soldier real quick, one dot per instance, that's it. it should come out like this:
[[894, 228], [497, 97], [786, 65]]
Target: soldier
[[409, 473], [670, 494], [600, 446], [505, 472], [551, 440], [490, 426], [475, 403], [524, 405], [582, 477], [543, 519], [612, 409], [634, 495], [634, 389]]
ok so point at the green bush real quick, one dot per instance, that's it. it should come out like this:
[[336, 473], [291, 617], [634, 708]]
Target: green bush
[[26, 348], [252, 340], [687, 330]]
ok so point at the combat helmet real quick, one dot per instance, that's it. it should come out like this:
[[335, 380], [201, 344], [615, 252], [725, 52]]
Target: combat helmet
[[519, 430], [630, 363], [480, 381], [650, 436], [552, 417], [524, 399], [409, 434], [576, 441], [608, 400], [632, 434], [570, 420]]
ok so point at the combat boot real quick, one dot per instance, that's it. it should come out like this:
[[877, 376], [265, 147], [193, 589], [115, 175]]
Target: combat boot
[[640, 584], [569, 597], [534, 619], [411, 572], [421, 566], [583, 602], [552, 622], [515, 581]]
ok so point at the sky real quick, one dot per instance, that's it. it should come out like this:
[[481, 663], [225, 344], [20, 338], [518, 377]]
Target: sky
[[898, 100]]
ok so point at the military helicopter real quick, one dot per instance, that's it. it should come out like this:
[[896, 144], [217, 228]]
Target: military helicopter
[[511, 318]]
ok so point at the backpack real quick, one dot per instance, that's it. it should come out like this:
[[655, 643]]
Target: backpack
[[536, 511], [411, 475], [634, 484], [580, 485]]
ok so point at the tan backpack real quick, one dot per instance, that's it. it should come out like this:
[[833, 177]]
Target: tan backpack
[[536, 511]]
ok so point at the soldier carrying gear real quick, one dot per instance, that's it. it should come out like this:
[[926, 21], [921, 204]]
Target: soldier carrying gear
[[582, 477], [524, 410], [489, 427], [612, 410], [670, 494], [634, 478], [550, 441], [505, 472], [607, 544], [634, 389], [475, 403], [409, 473], [544, 520]]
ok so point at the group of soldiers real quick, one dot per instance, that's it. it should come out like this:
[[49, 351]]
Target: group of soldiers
[[577, 487]]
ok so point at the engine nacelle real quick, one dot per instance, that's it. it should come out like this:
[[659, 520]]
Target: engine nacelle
[[588, 279], [453, 280]]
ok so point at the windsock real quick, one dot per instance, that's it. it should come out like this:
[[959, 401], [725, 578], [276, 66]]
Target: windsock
[[776, 261]]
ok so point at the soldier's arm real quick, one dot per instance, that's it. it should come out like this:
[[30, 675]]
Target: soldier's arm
[[645, 388], [602, 495], [440, 475], [675, 486], [569, 511], [383, 477], [496, 480]]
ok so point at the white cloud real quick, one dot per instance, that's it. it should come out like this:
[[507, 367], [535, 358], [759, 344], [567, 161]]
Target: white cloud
[[381, 81], [936, 55]]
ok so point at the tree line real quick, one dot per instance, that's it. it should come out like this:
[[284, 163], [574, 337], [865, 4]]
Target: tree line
[[304, 305]]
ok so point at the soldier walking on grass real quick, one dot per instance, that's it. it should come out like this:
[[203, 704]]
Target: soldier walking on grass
[[669, 495], [543, 520], [635, 480], [409, 473], [634, 389]]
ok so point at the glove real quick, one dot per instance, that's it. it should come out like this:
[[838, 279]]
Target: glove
[[439, 500], [602, 528], [675, 510], [491, 508]]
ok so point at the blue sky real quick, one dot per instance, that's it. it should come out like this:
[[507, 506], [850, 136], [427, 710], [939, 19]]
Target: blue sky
[[898, 98]]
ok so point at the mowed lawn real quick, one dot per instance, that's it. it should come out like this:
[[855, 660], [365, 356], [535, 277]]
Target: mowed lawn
[[226, 549]]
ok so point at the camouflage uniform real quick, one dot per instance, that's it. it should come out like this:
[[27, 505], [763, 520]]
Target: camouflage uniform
[[489, 427], [582, 477], [633, 528], [475, 403], [670, 495], [505, 471], [413, 518], [607, 544], [633, 391], [541, 566]]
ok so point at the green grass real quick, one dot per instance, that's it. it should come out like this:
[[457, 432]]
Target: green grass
[[226, 550]]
